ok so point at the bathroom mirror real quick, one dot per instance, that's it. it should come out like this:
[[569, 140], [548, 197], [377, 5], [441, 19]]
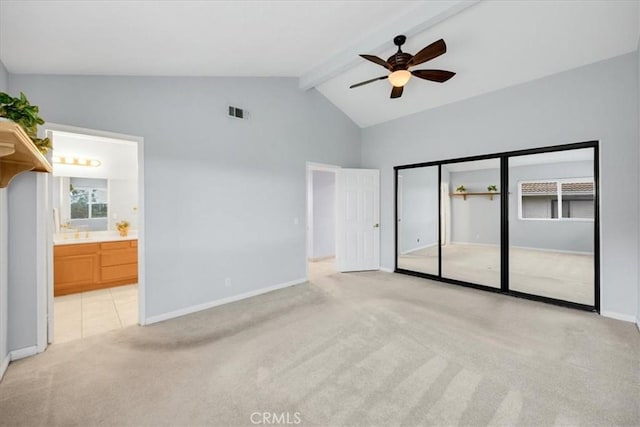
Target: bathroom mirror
[[93, 204]]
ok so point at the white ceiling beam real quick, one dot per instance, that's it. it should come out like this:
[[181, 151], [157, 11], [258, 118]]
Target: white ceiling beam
[[418, 20]]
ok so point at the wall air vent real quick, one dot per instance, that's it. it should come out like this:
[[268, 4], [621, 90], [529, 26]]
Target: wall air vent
[[236, 112]]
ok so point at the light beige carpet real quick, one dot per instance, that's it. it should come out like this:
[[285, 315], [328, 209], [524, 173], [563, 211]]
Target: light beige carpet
[[347, 349], [558, 275]]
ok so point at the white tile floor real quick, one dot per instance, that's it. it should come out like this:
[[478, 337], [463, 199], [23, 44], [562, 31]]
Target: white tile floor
[[95, 312]]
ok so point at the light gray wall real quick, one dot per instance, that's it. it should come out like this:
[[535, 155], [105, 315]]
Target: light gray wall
[[220, 193], [598, 101], [4, 78], [418, 226], [3, 250], [638, 93], [22, 262], [324, 214], [477, 219]]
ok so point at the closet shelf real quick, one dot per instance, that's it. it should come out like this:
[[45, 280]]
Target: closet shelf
[[464, 195], [18, 154]]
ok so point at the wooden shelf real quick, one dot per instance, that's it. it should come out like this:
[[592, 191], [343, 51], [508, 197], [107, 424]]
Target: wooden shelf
[[464, 195], [18, 154]]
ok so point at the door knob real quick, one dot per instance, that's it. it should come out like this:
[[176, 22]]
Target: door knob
[[376, 225]]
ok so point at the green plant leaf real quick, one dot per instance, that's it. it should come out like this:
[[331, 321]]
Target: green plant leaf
[[20, 111]]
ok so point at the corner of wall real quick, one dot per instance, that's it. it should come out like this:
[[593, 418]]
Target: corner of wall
[[638, 139], [4, 351], [4, 78]]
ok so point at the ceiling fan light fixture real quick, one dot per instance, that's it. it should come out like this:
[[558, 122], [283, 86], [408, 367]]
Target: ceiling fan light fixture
[[398, 65], [399, 78]]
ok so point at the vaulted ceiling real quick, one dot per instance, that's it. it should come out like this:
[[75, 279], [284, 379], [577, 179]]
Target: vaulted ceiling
[[491, 44]]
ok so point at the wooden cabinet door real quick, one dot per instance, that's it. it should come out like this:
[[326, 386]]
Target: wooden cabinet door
[[74, 273]]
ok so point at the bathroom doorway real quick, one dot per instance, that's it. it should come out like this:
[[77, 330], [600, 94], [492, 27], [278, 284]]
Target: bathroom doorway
[[321, 220], [95, 280]]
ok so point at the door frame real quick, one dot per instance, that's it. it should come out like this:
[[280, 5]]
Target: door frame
[[311, 167], [45, 230], [504, 223]]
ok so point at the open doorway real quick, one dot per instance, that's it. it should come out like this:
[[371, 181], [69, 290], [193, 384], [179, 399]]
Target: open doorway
[[321, 220], [95, 210]]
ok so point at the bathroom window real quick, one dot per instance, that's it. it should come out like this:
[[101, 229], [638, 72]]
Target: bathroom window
[[557, 199], [87, 201]]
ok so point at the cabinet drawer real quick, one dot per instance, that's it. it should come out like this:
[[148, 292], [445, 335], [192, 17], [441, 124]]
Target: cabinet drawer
[[134, 243], [120, 272], [122, 256], [80, 249], [115, 245]]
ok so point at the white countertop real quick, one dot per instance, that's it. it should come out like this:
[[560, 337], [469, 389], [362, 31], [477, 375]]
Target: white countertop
[[91, 237]]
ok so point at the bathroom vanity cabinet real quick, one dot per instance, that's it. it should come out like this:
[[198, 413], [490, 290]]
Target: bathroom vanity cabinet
[[81, 267]]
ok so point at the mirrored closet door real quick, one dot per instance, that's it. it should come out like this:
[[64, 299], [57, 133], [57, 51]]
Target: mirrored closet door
[[523, 223], [551, 225], [417, 219], [471, 206]]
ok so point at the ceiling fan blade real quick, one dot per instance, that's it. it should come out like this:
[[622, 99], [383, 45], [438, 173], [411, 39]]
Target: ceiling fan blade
[[376, 60], [439, 76], [396, 92], [367, 82], [434, 50]]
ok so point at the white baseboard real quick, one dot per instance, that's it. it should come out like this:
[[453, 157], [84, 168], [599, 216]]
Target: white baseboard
[[553, 250], [3, 365], [211, 304], [473, 244], [524, 247], [21, 353], [419, 248], [618, 316], [320, 258], [386, 270]]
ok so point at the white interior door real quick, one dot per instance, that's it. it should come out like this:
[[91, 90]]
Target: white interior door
[[358, 219]]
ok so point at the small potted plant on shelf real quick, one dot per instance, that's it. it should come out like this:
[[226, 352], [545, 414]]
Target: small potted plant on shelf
[[123, 228], [21, 112], [462, 190], [492, 189]]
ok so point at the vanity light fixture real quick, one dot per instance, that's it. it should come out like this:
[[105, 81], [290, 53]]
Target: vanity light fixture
[[76, 161]]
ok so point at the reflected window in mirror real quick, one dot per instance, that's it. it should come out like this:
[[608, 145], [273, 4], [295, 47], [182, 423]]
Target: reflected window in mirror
[[88, 204], [557, 199]]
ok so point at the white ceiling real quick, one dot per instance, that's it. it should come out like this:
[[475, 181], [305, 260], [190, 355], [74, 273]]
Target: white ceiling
[[491, 44], [183, 38]]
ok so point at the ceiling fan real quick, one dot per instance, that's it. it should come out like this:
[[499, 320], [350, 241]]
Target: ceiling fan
[[399, 63]]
